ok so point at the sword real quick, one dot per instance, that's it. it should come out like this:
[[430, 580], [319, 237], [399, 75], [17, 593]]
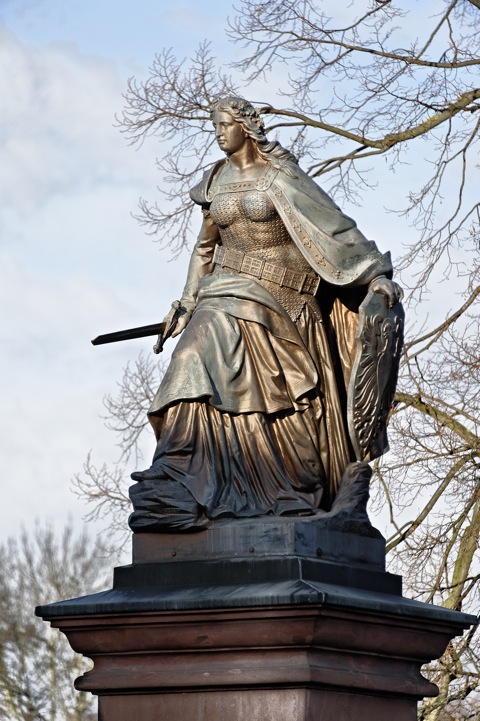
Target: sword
[[164, 330]]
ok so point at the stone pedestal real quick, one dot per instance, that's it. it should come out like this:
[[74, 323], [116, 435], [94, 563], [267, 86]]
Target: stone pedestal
[[274, 620]]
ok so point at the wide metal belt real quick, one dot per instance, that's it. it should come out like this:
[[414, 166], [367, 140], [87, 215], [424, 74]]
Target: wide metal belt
[[263, 270]]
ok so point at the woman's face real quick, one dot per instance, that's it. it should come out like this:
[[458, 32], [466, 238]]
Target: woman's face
[[229, 134]]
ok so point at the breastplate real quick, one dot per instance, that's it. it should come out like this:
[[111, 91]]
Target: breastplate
[[248, 221]]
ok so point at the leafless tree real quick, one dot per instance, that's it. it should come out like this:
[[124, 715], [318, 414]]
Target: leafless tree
[[370, 85], [104, 486], [37, 666]]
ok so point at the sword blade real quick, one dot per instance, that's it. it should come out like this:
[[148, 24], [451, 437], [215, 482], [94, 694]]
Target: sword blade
[[142, 331]]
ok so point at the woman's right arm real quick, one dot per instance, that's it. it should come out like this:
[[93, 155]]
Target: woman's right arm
[[201, 264]]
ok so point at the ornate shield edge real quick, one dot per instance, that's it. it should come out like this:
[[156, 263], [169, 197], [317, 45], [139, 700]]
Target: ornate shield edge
[[378, 347]]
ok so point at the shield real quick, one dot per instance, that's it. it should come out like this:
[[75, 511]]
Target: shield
[[373, 380]]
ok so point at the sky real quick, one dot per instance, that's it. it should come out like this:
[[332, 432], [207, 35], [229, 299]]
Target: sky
[[74, 263]]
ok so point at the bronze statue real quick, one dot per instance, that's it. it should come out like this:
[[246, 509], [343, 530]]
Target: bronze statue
[[260, 411]]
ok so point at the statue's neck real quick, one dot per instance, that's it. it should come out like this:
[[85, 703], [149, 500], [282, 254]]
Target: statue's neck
[[247, 165], [244, 158]]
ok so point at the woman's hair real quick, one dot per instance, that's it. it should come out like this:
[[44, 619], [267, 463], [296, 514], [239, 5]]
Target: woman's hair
[[248, 117]]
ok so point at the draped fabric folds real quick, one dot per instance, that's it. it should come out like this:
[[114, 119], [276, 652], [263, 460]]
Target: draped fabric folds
[[248, 417]]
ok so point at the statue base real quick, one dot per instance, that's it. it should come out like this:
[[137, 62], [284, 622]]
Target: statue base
[[266, 620]]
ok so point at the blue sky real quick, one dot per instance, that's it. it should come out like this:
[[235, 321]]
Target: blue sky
[[129, 34], [73, 261]]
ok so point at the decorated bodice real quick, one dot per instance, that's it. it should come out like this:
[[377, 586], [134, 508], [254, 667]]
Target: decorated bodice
[[248, 222]]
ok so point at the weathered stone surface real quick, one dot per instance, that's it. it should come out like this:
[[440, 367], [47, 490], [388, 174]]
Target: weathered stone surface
[[333, 652], [269, 634], [310, 537], [258, 705]]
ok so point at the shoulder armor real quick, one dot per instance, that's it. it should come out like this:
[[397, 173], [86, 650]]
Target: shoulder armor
[[199, 191]]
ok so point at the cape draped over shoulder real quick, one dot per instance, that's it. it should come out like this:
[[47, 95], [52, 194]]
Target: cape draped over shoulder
[[331, 243], [329, 240]]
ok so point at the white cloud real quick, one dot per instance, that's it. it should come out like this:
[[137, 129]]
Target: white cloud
[[56, 123], [73, 264]]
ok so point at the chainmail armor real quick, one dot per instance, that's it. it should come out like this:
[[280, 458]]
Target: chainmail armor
[[248, 222]]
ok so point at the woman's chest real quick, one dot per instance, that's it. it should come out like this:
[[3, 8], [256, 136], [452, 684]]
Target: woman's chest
[[229, 208]]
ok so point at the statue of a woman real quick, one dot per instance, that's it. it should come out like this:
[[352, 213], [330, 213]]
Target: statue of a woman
[[250, 417]]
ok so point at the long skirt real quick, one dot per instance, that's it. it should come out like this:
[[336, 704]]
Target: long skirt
[[248, 417]]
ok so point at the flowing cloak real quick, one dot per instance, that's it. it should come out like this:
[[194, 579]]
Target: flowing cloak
[[330, 242]]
